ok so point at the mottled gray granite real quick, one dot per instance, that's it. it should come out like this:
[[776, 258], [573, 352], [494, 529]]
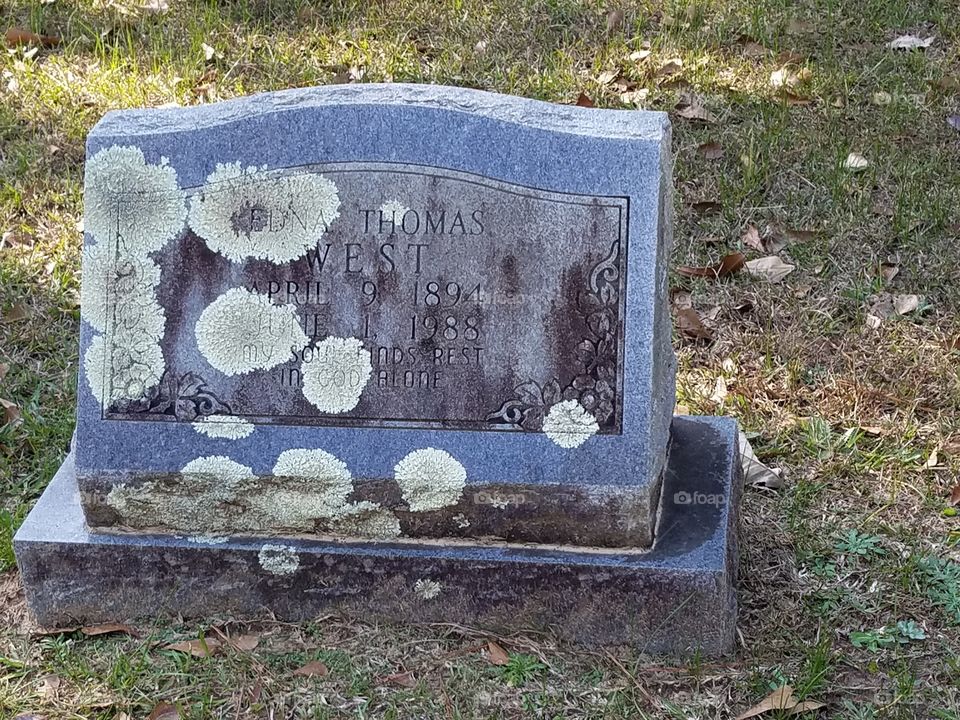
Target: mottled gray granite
[[675, 598], [566, 208]]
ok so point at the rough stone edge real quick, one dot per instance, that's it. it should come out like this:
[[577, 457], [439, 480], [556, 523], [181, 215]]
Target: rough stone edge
[[569, 119]]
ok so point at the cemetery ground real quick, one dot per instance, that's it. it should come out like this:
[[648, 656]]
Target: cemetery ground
[[804, 140]]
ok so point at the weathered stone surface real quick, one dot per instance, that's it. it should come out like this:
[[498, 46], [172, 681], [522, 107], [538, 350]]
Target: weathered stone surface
[[377, 311], [676, 597]]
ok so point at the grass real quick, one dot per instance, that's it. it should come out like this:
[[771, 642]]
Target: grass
[[843, 570]]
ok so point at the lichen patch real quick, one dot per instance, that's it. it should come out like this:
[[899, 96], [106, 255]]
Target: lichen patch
[[251, 212], [335, 374], [242, 331], [430, 479], [128, 200], [569, 424], [367, 519], [427, 589], [228, 427], [316, 487], [115, 282], [279, 559], [94, 369]]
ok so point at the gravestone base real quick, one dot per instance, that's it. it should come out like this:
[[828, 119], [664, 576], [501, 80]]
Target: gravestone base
[[674, 598]]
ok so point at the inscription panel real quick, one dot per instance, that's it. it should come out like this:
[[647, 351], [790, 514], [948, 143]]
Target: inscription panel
[[376, 295]]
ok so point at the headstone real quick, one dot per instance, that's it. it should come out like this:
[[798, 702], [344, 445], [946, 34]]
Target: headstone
[[379, 347]]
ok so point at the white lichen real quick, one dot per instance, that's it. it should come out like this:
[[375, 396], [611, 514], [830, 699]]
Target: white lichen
[[228, 427], [218, 468], [336, 373], [395, 210], [569, 424], [250, 212], [279, 559], [242, 331], [208, 539], [316, 487], [427, 589], [129, 201], [94, 368], [430, 479], [113, 281], [367, 519], [461, 520]]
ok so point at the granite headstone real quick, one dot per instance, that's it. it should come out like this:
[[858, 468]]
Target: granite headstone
[[386, 339]]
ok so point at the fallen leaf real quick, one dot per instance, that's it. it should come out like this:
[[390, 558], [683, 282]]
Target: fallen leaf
[[49, 685], [719, 391], [882, 98], [751, 48], [934, 458], [904, 304], [691, 326], [11, 411], [607, 76], [711, 150], [635, 97], [14, 239], [208, 52], [314, 668], [954, 121], [583, 100], [15, 37], [481, 47], [18, 312], [955, 496], [496, 654], [730, 264], [751, 238], [107, 628], [669, 68], [691, 107], [770, 268], [246, 643], [155, 6], [755, 473], [206, 647], [614, 20], [4, 369], [910, 42], [403, 679], [639, 55], [856, 162], [781, 699], [164, 711], [799, 27]]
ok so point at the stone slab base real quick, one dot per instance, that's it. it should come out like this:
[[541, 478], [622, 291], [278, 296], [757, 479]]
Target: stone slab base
[[674, 598]]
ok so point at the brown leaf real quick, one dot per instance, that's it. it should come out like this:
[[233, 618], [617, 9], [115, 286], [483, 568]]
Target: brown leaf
[[888, 271], [954, 497], [15, 37], [164, 711], [314, 668], [905, 304], [107, 628], [206, 647], [691, 107], [711, 150], [608, 76], [751, 48], [246, 643], [18, 312], [11, 411], [49, 685], [770, 268], [751, 238], [730, 264], [780, 699], [15, 239], [583, 100], [614, 20], [496, 654], [403, 679], [691, 326], [669, 68]]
